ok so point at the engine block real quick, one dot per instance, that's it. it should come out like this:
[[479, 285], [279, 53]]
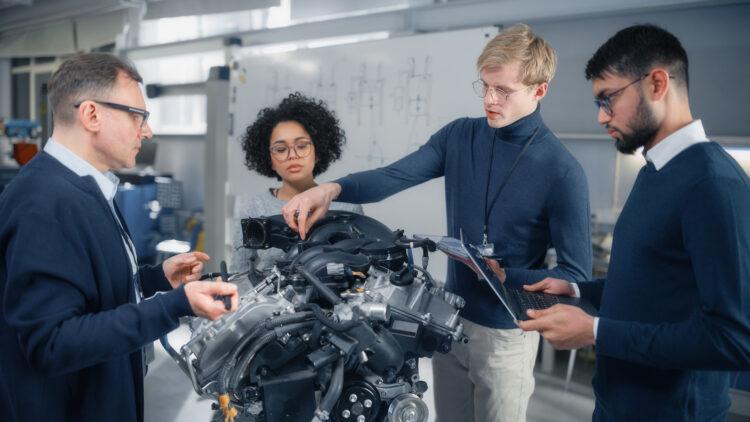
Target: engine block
[[334, 331]]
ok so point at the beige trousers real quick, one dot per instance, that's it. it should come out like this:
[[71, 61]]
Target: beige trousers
[[489, 379]]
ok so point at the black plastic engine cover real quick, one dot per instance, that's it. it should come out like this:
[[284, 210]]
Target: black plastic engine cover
[[290, 396], [268, 232]]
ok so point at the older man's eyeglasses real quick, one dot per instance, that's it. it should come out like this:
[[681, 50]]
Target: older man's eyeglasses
[[141, 113], [499, 95], [281, 152]]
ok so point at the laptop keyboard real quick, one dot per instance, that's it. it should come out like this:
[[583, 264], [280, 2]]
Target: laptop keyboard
[[533, 300]]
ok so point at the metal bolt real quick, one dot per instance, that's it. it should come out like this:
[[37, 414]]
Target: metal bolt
[[368, 403], [346, 413], [357, 408], [352, 398]]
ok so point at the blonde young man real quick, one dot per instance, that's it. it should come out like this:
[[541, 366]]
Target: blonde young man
[[510, 183]]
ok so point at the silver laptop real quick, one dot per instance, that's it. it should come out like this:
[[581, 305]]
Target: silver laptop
[[518, 301]]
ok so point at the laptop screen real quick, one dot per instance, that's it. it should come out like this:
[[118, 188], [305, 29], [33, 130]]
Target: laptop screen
[[489, 277]]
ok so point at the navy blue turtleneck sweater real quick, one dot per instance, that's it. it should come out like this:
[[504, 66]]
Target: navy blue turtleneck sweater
[[545, 203]]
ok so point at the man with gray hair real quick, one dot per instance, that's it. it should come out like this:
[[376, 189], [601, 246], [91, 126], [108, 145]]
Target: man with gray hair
[[509, 185], [77, 309]]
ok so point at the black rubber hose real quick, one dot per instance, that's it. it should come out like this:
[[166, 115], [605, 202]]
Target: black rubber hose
[[212, 276], [173, 354], [430, 280], [247, 357], [322, 289], [168, 347], [328, 322], [416, 243], [427, 245], [228, 380], [209, 276], [263, 326], [334, 389]]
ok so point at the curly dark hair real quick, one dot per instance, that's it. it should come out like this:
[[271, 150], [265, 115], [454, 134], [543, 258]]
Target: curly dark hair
[[320, 122]]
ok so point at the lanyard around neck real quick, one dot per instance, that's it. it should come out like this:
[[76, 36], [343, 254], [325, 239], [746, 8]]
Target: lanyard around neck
[[487, 205]]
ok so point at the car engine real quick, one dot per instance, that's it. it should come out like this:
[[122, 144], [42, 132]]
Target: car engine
[[334, 331]]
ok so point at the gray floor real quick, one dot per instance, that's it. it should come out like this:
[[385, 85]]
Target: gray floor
[[170, 397]]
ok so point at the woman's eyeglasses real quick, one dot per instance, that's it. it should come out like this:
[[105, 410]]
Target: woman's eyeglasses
[[282, 152]]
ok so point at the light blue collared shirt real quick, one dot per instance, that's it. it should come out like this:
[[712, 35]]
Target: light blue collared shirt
[[107, 182]]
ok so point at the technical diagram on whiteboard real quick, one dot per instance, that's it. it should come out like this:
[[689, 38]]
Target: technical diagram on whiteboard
[[411, 96], [278, 90], [365, 96], [374, 156], [325, 90]]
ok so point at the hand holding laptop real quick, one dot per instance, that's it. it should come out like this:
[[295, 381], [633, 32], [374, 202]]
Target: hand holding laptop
[[552, 286], [564, 326]]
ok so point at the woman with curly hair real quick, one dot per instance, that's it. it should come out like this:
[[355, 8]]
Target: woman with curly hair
[[293, 142]]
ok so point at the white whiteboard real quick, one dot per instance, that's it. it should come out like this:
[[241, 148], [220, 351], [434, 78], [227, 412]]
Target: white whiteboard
[[390, 96]]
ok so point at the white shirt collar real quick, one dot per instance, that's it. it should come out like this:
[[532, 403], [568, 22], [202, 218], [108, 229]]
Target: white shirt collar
[[675, 143], [107, 182]]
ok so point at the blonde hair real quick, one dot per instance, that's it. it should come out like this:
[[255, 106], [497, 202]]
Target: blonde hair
[[519, 44]]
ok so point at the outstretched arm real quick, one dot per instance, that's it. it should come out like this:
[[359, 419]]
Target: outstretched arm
[[428, 162]]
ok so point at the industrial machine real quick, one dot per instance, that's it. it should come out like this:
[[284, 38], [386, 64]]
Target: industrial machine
[[148, 203], [19, 142], [334, 331]]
